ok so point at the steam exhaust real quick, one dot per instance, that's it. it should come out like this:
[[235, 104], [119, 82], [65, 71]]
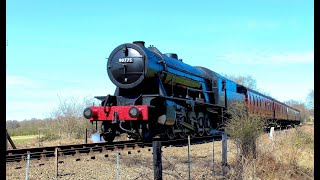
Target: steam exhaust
[[96, 138]]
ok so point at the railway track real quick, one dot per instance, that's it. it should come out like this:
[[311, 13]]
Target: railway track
[[16, 155]]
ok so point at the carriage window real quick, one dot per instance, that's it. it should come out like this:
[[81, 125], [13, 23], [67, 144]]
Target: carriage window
[[260, 102], [265, 104]]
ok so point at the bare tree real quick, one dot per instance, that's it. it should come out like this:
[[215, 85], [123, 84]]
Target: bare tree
[[12, 124], [310, 100], [245, 80], [68, 119], [304, 112]]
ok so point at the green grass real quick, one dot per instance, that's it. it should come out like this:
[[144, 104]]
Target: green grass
[[309, 122], [24, 139]]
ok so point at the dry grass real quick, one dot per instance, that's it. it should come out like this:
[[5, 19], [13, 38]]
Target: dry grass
[[290, 156]]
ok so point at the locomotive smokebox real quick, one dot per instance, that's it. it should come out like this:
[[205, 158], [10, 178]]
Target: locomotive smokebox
[[127, 65]]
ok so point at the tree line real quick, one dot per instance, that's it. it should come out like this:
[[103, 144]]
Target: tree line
[[66, 121], [67, 118]]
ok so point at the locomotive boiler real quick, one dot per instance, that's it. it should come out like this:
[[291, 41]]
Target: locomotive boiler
[[159, 95]]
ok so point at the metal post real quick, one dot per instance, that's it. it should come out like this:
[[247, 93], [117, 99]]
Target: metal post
[[38, 137], [189, 177], [118, 165], [56, 162], [157, 161], [59, 136], [224, 153], [86, 137], [6, 139], [28, 164], [213, 157]]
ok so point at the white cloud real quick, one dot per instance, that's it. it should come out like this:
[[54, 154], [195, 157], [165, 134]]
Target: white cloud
[[28, 109], [265, 24], [269, 58], [26, 103], [20, 81]]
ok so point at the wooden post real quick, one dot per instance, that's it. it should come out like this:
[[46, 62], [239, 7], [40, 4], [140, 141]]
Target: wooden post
[[6, 139], [56, 162], [157, 162], [86, 137], [10, 141], [224, 153], [213, 157], [118, 165], [189, 177]]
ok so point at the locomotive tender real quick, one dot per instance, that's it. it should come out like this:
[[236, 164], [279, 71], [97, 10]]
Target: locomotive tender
[[158, 94]]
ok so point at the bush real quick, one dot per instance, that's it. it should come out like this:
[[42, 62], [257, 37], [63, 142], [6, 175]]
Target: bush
[[302, 139], [243, 127], [68, 120]]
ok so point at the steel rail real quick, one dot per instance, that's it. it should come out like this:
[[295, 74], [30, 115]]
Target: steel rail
[[16, 155]]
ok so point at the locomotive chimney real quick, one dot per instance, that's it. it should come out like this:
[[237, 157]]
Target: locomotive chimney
[[172, 55], [139, 43]]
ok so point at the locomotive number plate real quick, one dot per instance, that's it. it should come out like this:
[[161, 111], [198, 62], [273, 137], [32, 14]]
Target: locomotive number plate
[[125, 60]]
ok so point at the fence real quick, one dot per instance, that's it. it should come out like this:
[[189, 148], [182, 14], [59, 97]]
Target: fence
[[204, 162]]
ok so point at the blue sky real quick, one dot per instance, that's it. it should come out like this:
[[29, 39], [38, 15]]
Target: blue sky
[[58, 49]]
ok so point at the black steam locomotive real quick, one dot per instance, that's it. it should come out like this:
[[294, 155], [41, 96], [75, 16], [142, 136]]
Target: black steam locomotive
[[158, 94]]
